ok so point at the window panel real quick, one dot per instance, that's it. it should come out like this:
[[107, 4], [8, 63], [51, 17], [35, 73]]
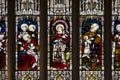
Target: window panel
[[27, 7], [91, 75], [59, 7], [91, 7], [60, 75], [27, 40], [59, 39], [27, 75], [115, 7], [3, 40], [91, 39], [115, 39]]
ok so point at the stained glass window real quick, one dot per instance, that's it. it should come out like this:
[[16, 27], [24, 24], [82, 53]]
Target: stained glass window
[[115, 39], [91, 39], [59, 40], [3, 40], [27, 39]]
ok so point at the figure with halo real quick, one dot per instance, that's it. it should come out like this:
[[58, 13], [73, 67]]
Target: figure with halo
[[91, 41], [61, 39], [116, 44]]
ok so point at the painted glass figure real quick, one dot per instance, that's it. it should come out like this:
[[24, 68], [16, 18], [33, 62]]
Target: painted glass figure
[[60, 39], [91, 44], [116, 43], [27, 44]]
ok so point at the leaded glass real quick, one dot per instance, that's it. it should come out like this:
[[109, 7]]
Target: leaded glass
[[3, 40], [27, 75], [115, 39], [60, 75], [59, 39], [91, 7], [60, 46], [115, 75], [91, 39], [27, 44], [27, 40], [59, 7], [115, 43], [115, 7], [91, 75], [27, 7]]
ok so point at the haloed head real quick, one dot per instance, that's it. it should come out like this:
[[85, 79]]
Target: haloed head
[[24, 27], [60, 28], [26, 37], [32, 28], [94, 27]]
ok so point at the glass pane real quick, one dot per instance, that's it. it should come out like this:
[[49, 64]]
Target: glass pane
[[115, 39], [91, 39], [59, 40], [27, 40], [91, 75], [91, 7], [3, 40], [27, 75]]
